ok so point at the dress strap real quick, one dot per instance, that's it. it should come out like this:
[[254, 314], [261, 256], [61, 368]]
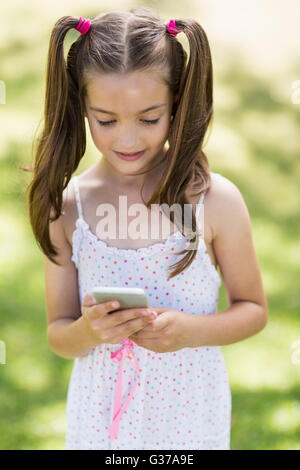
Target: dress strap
[[77, 196], [199, 205]]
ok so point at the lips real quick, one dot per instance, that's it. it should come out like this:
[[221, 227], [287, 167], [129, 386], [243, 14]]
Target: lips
[[130, 157]]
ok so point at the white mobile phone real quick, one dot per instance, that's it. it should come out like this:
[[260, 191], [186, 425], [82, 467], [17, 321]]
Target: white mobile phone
[[128, 297]]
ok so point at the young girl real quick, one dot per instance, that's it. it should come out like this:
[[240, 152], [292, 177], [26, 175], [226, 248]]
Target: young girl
[[140, 380]]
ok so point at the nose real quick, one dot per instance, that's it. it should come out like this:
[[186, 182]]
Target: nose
[[128, 139]]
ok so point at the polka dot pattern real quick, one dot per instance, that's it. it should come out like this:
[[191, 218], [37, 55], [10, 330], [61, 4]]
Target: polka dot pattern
[[182, 399]]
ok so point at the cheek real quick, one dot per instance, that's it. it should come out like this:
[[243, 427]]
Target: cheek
[[164, 129], [100, 137], [159, 132]]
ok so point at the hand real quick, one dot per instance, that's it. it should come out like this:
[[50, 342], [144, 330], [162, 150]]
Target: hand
[[164, 334], [102, 326]]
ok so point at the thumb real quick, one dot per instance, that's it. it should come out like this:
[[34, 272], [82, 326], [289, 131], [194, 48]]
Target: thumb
[[160, 310], [89, 300]]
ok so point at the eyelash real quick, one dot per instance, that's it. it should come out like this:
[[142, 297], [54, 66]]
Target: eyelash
[[106, 123]]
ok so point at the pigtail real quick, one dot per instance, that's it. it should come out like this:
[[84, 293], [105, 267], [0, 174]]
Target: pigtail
[[192, 114], [62, 142]]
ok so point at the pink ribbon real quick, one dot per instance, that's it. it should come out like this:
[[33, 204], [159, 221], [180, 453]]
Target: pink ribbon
[[116, 356]]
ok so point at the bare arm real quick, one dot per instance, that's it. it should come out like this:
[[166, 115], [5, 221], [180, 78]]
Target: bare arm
[[66, 331], [247, 313], [68, 338], [74, 330]]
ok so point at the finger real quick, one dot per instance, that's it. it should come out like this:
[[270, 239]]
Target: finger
[[159, 322], [96, 310], [124, 316], [88, 300], [155, 329], [151, 344], [129, 328], [148, 334], [160, 310]]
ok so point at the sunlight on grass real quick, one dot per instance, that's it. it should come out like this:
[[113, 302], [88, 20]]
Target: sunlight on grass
[[280, 129], [40, 15], [251, 365], [18, 125], [10, 238], [225, 98], [46, 422], [287, 445], [29, 59], [222, 139], [286, 417], [27, 372], [269, 240]]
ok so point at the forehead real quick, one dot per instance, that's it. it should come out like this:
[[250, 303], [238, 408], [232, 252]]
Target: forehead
[[135, 87]]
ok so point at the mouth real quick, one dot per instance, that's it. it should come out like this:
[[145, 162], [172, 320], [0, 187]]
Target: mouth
[[131, 156]]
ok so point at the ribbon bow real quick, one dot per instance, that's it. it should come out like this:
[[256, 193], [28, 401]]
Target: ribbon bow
[[117, 356]]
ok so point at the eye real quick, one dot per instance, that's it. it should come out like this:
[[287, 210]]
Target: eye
[[154, 121], [106, 123]]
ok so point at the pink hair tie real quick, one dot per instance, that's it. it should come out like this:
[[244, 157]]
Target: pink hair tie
[[83, 25], [172, 28]]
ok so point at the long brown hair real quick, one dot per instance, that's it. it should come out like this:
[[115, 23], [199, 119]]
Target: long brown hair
[[122, 41]]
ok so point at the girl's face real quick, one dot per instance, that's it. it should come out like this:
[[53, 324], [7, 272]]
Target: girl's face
[[121, 122]]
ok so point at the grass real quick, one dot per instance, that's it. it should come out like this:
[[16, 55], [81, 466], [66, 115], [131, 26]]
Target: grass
[[254, 143]]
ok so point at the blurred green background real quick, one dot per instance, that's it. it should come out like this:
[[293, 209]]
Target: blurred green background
[[254, 143]]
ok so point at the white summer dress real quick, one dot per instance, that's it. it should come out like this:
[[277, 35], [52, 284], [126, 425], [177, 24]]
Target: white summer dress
[[180, 400]]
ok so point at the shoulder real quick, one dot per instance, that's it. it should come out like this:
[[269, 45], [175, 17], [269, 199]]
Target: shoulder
[[88, 186], [225, 205]]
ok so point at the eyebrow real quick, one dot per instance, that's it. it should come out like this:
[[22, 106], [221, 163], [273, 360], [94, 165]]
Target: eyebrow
[[142, 111]]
